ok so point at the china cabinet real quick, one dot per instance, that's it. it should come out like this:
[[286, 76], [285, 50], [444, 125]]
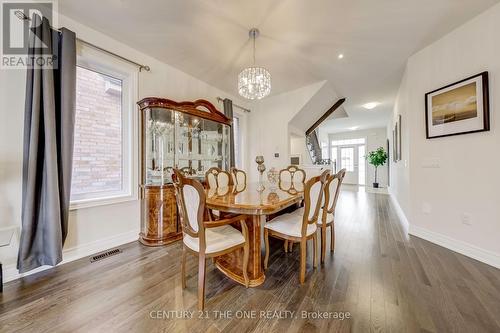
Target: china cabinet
[[190, 136]]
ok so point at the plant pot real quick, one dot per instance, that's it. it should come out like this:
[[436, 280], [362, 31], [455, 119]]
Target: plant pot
[[375, 185]]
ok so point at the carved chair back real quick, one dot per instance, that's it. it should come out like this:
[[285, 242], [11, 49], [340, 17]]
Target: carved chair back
[[239, 176], [217, 178], [292, 174], [190, 196], [187, 171], [313, 197], [332, 191]]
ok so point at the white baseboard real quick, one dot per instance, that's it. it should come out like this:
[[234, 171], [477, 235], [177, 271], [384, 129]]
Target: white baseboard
[[10, 271], [469, 250], [401, 214]]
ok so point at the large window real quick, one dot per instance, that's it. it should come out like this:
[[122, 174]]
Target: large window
[[104, 153], [98, 150], [239, 127], [347, 158], [348, 142], [333, 157], [237, 141], [324, 150], [362, 165]]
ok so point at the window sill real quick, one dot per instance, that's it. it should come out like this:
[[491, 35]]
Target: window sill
[[105, 201]]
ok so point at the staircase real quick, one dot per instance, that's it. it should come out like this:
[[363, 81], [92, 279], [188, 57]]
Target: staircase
[[313, 147], [312, 141]]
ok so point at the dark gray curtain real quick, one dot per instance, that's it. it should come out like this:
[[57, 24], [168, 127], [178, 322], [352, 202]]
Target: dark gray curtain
[[228, 111], [48, 147]]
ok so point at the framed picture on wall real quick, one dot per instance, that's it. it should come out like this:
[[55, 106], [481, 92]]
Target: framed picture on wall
[[388, 159], [395, 143], [459, 108], [399, 145]]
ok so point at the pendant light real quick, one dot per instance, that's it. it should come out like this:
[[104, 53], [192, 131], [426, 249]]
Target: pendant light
[[254, 82]]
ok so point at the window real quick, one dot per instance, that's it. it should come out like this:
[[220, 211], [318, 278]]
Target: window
[[237, 142], [104, 157], [324, 150], [362, 165], [333, 157], [239, 128], [98, 149], [360, 141], [347, 159]]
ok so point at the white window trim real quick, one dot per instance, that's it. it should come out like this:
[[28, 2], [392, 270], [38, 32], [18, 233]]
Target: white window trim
[[242, 116], [101, 62]]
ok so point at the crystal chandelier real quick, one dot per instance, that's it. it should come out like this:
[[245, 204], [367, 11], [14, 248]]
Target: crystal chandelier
[[254, 82]]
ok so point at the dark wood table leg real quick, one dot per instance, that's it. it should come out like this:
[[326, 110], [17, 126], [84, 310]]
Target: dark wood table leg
[[230, 264]]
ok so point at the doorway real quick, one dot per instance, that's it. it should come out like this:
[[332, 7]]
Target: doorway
[[350, 155]]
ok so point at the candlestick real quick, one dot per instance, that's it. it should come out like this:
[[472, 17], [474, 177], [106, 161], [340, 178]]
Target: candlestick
[[261, 168]]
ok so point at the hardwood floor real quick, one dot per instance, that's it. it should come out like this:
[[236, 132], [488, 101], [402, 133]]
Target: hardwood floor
[[385, 281]]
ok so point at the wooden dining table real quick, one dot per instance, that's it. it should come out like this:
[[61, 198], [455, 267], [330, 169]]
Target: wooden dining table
[[256, 203]]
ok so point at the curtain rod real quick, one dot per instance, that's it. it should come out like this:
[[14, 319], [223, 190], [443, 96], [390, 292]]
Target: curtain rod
[[20, 15], [220, 99]]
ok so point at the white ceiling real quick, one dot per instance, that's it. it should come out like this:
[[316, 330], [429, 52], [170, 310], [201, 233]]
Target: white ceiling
[[299, 43]]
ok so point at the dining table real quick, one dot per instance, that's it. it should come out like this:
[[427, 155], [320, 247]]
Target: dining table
[[255, 201]]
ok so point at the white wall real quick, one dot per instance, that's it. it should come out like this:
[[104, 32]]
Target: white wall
[[375, 138], [269, 128], [435, 200], [298, 146], [400, 171], [91, 229]]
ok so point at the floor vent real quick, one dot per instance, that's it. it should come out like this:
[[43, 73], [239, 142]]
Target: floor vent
[[105, 255]]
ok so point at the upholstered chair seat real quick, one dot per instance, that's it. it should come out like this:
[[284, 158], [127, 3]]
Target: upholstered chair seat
[[291, 224], [217, 239]]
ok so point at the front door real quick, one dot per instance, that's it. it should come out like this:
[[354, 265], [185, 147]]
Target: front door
[[352, 158], [350, 154], [348, 161]]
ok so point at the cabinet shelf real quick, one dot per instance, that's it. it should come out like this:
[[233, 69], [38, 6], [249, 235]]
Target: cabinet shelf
[[220, 158]]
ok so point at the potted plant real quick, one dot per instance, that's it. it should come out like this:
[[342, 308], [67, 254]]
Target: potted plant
[[377, 158]]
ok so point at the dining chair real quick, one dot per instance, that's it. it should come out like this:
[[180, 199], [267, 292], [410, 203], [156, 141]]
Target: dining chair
[[292, 179], [187, 171], [239, 176], [216, 177], [327, 212], [206, 239], [300, 225]]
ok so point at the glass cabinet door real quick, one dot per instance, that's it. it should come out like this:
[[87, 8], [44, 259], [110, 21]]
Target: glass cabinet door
[[159, 149], [173, 139], [201, 144]]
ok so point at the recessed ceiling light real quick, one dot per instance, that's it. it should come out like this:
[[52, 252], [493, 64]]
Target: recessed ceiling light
[[353, 128], [371, 105], [341, 56]]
